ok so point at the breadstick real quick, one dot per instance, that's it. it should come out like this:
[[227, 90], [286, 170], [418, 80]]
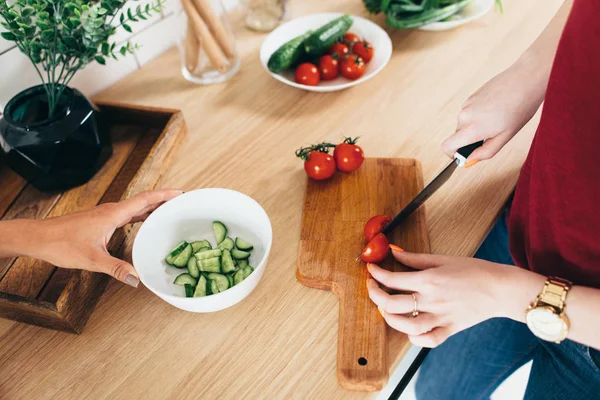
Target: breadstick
[[215, 24], [208, 42], [192, 48]]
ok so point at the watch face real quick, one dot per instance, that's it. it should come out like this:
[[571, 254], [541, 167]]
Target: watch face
[[546, 324]]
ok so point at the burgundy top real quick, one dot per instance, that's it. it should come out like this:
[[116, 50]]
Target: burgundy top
[[554, 222]]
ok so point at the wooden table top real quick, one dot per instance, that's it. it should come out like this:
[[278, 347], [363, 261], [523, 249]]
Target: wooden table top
[[281, 341]]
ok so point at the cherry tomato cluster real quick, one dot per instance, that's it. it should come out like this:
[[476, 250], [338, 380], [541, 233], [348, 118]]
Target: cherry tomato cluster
[[378, 246], [320, 165], [348, 58]]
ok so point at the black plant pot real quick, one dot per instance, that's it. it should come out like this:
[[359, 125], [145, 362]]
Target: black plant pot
[[53, 153]]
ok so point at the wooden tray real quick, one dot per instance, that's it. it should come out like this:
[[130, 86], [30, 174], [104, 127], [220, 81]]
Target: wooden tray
[[335, 212], [144, 142]]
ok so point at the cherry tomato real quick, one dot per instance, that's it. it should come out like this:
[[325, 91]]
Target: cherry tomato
[[328, 67], [340, 49], [350, 38], [377, 249], [364, 50], [375, 225], [352, 67], [319, 165], [307, 74], [348, 156]]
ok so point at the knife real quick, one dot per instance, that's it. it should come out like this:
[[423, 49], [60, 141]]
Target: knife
[[460, 159]]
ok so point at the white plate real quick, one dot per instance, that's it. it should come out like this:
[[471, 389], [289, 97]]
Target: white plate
[[363, 28], [474, 10], [189, 217]]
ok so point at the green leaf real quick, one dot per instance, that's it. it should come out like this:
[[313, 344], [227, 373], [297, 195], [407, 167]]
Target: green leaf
[[130, 15], [102, 11], [105, 49], [100, 60], [123, 50], [27, 12], [9, 36], [127, 28]]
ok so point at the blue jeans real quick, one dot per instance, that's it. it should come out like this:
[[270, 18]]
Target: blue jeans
[[473, 363]]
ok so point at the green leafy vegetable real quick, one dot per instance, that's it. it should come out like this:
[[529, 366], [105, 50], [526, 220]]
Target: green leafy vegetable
[[407, 14]]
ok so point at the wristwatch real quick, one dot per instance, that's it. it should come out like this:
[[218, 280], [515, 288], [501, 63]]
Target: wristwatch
[[546, 316]]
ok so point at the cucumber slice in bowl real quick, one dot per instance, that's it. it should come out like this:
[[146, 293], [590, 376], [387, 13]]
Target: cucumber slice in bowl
[[226, 244], [185, 279], [182, 259], [243, 245], [218, 283], [201, 245], [175, 252], [239, 254], [220, 231]]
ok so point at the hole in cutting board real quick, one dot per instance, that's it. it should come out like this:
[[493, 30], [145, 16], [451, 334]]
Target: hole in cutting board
[[362, 361]]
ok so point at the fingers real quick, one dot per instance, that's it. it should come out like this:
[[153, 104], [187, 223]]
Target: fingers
[[393, 304], [431, 339], [490, 148], [410, 281], [418, 260], [463, 136], [118, 269], [128, 210], [417, 326]]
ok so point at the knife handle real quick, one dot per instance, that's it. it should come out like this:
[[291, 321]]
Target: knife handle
[[464, 152]]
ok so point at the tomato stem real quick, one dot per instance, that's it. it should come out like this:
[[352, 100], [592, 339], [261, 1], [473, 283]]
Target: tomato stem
[[303, 152], [349, 140]]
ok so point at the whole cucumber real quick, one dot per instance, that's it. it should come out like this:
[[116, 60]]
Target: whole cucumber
[[323, 38], [288, 54]]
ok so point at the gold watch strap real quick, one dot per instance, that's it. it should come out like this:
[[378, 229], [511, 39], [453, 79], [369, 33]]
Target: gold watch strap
[[555, 292]]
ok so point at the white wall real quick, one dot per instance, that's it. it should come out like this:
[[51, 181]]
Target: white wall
[[154, 36]]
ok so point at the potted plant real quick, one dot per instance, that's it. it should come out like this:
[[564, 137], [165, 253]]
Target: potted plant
[[51, 134]]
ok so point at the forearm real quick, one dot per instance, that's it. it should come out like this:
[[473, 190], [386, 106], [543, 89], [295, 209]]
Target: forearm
[[536, 63], [520, 287], [16, 237]]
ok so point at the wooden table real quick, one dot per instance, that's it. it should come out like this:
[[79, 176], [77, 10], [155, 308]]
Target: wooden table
[[280, 343]]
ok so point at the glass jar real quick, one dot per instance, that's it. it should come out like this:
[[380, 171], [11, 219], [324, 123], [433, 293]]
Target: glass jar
[[264, 15], [206, 42]]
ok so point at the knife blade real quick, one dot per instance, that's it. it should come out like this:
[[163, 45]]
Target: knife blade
[[460, 158]]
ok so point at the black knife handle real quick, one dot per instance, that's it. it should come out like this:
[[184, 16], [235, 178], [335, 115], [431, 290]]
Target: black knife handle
[[467, 150]]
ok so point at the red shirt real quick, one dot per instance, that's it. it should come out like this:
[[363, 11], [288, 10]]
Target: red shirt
[[554, 222]]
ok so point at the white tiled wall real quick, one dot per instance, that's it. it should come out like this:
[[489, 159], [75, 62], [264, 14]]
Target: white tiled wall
[[154, 36]]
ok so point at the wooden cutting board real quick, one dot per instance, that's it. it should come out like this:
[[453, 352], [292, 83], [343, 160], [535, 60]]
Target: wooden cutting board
[[335, 212]]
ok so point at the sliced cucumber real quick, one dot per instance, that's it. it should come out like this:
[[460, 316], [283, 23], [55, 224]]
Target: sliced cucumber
[[220, 231], [247, 271], [175, 252], [199, 245], [243, 245], [239, 254], [201, 287], [192, 267], [242, 263], [238, 277], [227, 264], [185, 279], [230, 278], [209, 264], [208, 254], [182, 259], [189, 290], [226, 244], [218, 283]]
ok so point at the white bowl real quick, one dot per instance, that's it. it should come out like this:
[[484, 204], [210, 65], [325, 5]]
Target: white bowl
[[472, 11], [189, 217], [362, 27]]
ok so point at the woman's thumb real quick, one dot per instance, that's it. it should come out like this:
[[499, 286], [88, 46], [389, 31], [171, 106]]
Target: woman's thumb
[[120, 270]]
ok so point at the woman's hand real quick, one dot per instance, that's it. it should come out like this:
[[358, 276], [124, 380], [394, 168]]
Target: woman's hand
[[497, 111], [80, 240], [453, 294]]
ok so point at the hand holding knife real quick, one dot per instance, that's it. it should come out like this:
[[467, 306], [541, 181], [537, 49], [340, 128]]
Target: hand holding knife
[[460, 160]]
